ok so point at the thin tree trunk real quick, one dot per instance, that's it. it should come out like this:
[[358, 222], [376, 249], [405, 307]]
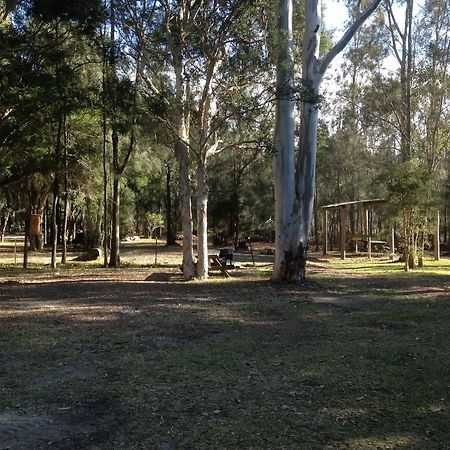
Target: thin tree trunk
[[55, 202], [170, 226], [316, 221], [202, 221], [65, 199], [182, 153], [114, 260], [5, 222], [104, 160], [115, 222], [186, 210], [119, 168]]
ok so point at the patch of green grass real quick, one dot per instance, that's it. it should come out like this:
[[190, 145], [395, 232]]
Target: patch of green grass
[[385, 266]]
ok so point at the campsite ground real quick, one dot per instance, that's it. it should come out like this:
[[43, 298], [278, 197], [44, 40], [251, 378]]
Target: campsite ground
[[359, 358]]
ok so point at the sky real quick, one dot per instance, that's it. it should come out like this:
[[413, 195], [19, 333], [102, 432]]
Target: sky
[[335, 15]]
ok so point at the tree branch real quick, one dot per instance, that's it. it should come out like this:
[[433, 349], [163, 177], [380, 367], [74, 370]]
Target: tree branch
[[345, 39]]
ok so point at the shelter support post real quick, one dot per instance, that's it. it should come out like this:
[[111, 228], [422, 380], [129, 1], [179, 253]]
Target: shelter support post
[[325, 231], [343, 219], [367, 231], [437, 241]]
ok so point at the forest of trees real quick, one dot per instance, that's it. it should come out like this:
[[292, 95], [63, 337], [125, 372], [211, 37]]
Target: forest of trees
[[119, 115]]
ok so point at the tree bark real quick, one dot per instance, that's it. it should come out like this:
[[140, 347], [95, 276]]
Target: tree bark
[[294, 192], [202, 221], [284, 161], [170, 225], [114, 260], [5, 222], [182, 154], [186, 210], [104, 157], [65, 199], [55, 202]]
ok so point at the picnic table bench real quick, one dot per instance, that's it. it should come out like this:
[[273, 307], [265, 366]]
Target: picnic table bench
[[222, 259]]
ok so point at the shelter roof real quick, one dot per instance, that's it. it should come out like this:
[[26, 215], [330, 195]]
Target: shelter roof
[[356, 202]]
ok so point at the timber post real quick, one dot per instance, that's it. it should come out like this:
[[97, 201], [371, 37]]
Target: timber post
[[325, 231], [343, 219], [367, 231], [437, 243]]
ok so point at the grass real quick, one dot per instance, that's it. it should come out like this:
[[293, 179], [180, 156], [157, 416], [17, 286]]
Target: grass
[[386, 267], [355, 360]]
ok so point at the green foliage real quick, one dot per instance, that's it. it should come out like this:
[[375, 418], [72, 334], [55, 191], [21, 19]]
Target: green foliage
[[86, 15], [409, 187], [154, 220]]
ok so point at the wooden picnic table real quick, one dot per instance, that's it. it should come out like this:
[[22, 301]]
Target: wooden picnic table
[[214, 262]]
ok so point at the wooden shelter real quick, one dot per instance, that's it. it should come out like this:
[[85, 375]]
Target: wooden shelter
[[343, 214], [366, 204]]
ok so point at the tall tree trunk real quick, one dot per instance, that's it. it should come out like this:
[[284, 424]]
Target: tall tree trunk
[[202, 221], [182, 154], [120, 167], [55, 202], [170, 225], [104, 157], [284, 161], [114, 260], [65, 199], [115, 220], [294, 192], [105, 198]]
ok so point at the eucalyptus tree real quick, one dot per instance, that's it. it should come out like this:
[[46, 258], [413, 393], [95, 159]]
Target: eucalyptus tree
[[186, 57], [199, 38], [295, 179], [351, 163], [433, 82], [413, 105], [432, 95]]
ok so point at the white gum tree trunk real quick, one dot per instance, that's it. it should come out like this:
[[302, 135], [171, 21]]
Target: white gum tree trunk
[[176, 33], [284, 161], [182, 154], [202, 221], [202, 179], [295, 181]]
